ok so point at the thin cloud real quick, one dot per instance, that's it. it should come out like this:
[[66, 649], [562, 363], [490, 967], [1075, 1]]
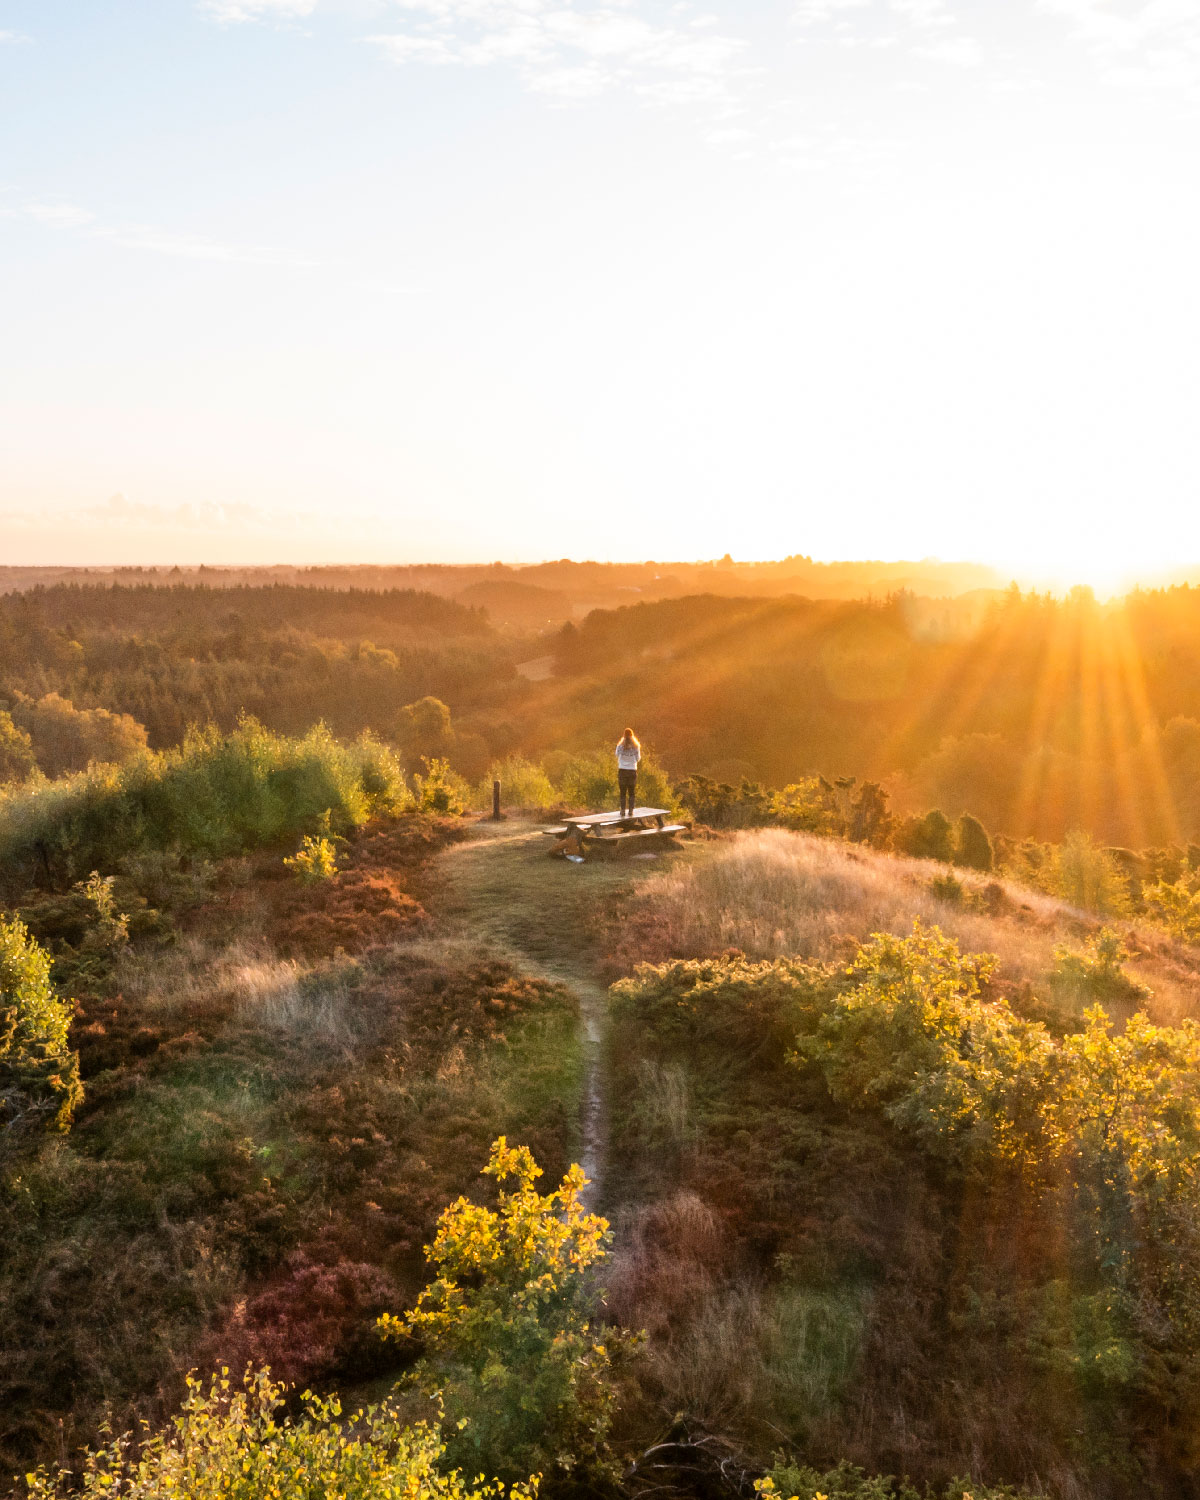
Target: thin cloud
[[153, 238], [236, 12], [1140, 42], [572, 53], [926, 29], [956, 52]]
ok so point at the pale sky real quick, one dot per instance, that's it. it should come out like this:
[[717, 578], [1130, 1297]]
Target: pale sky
[[394, 280]]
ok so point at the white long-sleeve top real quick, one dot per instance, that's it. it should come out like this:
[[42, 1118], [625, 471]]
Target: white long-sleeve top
[[627, 756]]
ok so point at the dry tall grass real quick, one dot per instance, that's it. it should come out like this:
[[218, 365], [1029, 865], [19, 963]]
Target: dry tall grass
[[773, 893]]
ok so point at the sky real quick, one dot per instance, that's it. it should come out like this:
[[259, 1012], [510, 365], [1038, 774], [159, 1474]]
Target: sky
[[405, 280]]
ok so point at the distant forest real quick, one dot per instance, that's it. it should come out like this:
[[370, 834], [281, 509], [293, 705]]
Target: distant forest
[[1035, 714]]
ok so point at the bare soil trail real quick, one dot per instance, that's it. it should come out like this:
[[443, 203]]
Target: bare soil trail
[[545, 915]]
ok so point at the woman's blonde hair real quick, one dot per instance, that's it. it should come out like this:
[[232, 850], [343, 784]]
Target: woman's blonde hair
[[631, 739]]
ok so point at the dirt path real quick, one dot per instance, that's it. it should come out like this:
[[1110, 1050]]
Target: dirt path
[[503, 891]]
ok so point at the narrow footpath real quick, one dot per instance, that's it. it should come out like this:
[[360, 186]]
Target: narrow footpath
[[504, 892]]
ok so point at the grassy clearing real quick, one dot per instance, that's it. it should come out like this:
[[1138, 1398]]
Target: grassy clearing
[[773, 893]]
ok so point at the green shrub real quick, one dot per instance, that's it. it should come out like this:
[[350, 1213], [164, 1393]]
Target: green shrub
[[314, 861], [718, 804], [215, 795], [110, 927], [441, 790], [591, 781], [909, 1036], [930, 837], [233, 1443], [514, 1346], [523, 783], [1097, 975], [39, 1075], [948, 888], [972, 847], [1174, 907], [788, 1481]]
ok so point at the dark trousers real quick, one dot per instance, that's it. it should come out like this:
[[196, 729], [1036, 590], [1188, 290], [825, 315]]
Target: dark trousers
[[627, 783]]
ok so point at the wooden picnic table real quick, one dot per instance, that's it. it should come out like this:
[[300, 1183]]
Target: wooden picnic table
[[613, 828]]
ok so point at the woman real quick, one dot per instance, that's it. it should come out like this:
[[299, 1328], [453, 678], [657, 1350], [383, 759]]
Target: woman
[[629, 752]]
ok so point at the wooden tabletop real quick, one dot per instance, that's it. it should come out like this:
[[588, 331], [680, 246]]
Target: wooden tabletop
[[609, 819]]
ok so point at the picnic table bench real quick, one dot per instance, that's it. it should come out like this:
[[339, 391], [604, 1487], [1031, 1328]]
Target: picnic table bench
[[611, 830]]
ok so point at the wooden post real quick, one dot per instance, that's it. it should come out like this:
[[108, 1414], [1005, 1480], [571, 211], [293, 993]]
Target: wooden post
[[495, 801]]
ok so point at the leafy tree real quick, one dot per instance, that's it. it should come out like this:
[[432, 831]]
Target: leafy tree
[[977, 771], [234, 1443], [66, 738], [1079, 871], [16, 751], [39, 1075], [972, 847], [510, 1327], [424, 731]]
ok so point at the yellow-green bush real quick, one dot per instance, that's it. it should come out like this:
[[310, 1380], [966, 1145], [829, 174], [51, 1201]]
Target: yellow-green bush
[[39, 1074], [232, 1442], [514, 1346]]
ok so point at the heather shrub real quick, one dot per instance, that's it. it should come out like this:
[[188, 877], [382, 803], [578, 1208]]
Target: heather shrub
[[235, 1441], [39, 1075], [511, 1331]]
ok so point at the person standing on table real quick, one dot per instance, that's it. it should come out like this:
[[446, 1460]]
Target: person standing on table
[[629, 752]]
